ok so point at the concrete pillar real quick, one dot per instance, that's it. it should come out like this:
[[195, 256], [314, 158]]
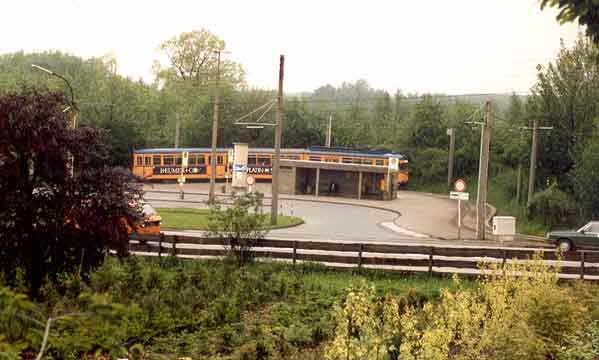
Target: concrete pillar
[[316, 186], [293, 180], [359, 185]]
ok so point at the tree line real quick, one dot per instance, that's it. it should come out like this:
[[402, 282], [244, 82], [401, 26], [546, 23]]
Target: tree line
[[138, 114]]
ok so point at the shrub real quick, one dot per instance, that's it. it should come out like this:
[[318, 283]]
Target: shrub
[[366, 327], [552, 206], [520, 314], [241, 224]]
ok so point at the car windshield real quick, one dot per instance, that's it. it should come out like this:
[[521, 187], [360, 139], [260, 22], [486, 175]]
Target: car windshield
[[148, 210], [582, 228]]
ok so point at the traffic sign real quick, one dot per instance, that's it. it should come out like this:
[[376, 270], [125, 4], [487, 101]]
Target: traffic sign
[[460, 185], [240, 168], [393, 164], [456, 195], [250, 180]]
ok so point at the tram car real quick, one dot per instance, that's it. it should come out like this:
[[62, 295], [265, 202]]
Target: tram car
[[166, 163]]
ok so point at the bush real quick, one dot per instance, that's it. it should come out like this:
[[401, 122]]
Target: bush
[[240, 224], [552, 206], [520, 314]]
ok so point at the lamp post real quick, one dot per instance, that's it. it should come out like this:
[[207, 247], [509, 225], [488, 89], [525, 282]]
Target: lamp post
[[72, 108]]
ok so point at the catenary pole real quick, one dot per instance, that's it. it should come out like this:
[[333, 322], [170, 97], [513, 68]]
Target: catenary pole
[[214, 132], [278, 132], [451, 133], [483, 171], [533, 161]]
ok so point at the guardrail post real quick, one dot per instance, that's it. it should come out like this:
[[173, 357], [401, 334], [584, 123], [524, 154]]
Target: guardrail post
[[360, 256], [582, 264], [174, 251], [504, 261], [294, 251], [160, 240], [430, 260]]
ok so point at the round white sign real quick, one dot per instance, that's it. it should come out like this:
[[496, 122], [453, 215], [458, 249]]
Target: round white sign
[[460, 185], [250, 180]]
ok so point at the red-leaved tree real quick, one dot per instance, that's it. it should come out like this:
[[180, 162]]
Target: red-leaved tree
[[51, 221]]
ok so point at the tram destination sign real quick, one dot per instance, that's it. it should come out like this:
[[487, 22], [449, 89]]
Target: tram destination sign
[[176, 170]]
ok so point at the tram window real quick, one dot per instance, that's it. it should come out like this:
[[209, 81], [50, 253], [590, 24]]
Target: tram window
[[156, 159], [379, 162], [168, 160], [366, 161], [263, 160], [139, 161], [219, 159], [178, 160], [252, 160], [347, 160], [148, 160], [314, 158], [403, 166], [357, 161], [192, 160], [201, 160]]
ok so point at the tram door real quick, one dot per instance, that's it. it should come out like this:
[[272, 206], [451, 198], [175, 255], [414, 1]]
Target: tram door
[[220, 166]]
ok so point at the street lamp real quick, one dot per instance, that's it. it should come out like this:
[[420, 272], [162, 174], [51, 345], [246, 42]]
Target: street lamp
[[72, 108], [73, 104]]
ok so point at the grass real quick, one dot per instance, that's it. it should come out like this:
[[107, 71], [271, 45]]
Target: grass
[[197, 219]]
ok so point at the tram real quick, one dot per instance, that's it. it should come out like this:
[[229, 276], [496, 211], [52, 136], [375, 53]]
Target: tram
[[166, 163]]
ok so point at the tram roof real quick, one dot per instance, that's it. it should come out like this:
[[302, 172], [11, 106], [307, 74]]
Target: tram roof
[[316, 150]]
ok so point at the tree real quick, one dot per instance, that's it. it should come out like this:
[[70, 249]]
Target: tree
[[565, 97], [53, 222], [586, 180], [586, 12]]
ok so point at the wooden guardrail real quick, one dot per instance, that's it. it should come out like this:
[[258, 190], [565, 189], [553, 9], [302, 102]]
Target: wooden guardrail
[[426, 258]]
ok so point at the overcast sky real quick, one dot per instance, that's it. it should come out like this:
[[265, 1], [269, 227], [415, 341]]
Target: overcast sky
[[440, 46]]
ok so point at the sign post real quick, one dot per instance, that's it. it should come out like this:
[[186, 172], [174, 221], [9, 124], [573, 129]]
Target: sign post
[[250, 181], [459, 195], [184, 163]]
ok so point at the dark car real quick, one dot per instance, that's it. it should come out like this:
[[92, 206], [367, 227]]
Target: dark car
[[584, 238]]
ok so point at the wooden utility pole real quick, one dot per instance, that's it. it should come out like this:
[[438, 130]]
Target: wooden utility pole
[[483, 172], [274, 209], [329, 131], [177, 131], [214, 132], [451, 133], [533, 161]]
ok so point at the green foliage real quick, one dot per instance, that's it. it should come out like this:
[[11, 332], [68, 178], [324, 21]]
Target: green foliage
[[200, 309], [507, 317], [585, 12], [240, 224], [366, 327], [552, 205], [586, 180], [436, 168]]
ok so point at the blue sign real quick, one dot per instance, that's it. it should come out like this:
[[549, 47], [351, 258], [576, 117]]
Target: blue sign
[[240, 168]]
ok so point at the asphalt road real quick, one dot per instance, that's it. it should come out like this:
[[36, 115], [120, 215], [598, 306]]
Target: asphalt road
[[425, 219], [323, 221]]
